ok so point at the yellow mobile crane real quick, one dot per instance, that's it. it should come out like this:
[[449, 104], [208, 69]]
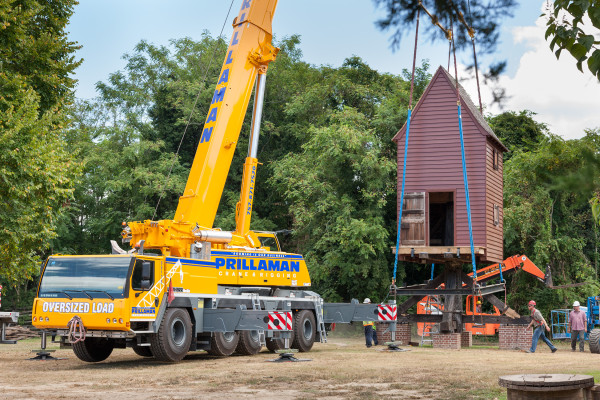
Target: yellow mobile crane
[[200, 288]]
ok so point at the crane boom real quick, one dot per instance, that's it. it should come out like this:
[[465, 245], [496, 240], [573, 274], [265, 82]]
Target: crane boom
[[249, 53]]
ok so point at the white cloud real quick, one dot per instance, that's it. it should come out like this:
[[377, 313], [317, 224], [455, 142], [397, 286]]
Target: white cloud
[[563, 98]]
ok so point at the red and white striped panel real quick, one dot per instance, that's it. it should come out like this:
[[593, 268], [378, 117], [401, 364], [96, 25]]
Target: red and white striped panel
[[387, 312], [280, 321]]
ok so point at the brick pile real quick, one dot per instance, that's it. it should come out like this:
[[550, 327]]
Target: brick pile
[[514, 337]]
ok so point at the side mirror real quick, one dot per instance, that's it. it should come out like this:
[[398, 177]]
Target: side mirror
[[146, 271]]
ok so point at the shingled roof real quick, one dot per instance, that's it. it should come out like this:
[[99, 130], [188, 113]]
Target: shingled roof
[[465, 102]]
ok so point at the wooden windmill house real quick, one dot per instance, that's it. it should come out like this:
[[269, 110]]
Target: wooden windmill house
[[434, 226]]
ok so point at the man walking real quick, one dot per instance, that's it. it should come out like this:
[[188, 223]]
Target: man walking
[[577, 327], [539, 323]]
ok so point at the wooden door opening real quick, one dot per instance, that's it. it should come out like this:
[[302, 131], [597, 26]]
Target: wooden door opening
[[441, 219]]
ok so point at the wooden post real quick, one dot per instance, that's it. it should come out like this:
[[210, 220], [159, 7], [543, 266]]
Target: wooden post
[[452, 315]]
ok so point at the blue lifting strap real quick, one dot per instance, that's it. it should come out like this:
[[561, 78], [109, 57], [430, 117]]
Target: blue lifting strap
[[464, 166], [402, 194], [501, 277], [432, 268]]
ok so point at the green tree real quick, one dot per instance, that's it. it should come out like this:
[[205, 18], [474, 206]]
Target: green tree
[[483, 16], [547, 217], [37, 169], [518, 131], [565, 25], [339, 187]]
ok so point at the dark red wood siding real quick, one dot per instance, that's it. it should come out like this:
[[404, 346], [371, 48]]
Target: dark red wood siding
[[495, 190], [434, 163]]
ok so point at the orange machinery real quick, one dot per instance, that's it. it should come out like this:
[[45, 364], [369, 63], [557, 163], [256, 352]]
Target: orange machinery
[[432, 305]]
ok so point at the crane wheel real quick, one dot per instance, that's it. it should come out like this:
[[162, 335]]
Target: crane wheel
[[142, 351], [93, 349], [172, 341], [249, 343], [223, 343], [594, 339], [305, 329], [274, 344]]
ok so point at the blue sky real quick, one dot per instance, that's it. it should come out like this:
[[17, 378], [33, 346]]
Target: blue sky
[[332, 30]]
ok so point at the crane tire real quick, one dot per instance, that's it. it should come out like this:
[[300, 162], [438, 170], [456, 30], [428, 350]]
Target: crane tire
[[223, 344], [249, 343], [305, 329], [172, 341], [142, 351], [594, 339], [93, 349], [274, 344]]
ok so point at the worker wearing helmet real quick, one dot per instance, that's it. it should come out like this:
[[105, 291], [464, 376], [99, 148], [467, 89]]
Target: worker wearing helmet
[[577, 327], [539, 323], [478, 307], [370, 334]]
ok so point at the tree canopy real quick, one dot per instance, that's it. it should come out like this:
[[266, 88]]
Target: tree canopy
[[38, 171], [566, 24]]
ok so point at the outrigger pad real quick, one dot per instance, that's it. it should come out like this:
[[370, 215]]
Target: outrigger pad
[[287, 355], [393, 346], [43, 355]]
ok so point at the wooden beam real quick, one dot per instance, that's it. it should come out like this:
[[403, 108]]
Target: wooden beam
[[438, 250], [504, 309], [437, 281]]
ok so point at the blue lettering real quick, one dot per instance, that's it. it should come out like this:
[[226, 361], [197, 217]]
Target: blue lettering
[[274, 265], [285, 266], [206, 133], [252, 267], [245, 4], [229, 60], [230, 263], [220, 262], [142, 310], [224, 77], [212, 116], [235, 41], [262, 266], [295, 266], [218, 96]]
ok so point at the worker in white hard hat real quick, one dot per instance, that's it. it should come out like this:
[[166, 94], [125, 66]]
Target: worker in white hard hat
[[577, 327], [370, 334]]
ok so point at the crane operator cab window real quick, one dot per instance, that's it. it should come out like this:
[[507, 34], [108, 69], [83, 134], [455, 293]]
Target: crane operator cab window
[[142, 277], [268, 241]]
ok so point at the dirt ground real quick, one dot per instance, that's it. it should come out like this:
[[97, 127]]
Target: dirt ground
[[340, 369]]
